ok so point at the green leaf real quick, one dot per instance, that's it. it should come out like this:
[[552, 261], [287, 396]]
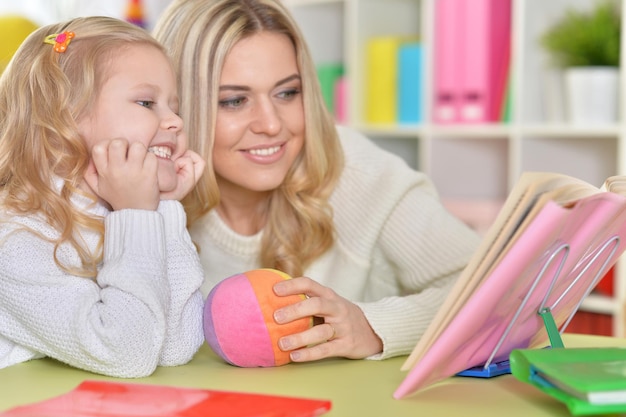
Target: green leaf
[[586, 38]]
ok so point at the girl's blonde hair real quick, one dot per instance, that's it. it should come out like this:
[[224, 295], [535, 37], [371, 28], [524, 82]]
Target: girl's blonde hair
[[199, 34], [43, 94]]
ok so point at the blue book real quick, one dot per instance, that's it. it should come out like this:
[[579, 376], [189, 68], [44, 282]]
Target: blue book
[[410, 86]]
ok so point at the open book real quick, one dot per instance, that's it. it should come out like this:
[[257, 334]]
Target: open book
[[551, 243]]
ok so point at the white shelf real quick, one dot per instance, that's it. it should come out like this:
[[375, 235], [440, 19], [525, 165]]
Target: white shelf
[[602, 304], [478, 161], [569, 131]]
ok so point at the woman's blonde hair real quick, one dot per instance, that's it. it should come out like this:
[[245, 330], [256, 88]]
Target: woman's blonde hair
[[199, 34], [43, 94]]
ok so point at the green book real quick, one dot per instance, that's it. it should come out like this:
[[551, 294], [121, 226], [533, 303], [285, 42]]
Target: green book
[[328, 75], [587, 380]]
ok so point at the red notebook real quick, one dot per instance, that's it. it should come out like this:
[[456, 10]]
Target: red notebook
[[113, 399]]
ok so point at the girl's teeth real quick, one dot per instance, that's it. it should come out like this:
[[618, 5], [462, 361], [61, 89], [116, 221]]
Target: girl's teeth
[[265, 151], [161, 151]]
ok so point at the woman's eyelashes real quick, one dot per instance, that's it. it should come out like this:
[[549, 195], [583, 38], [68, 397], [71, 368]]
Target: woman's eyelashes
[[289, 94], [239, 101], [232, 102]]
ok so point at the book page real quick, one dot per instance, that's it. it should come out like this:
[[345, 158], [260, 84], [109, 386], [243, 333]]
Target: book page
[[616, 184], [526, 199]]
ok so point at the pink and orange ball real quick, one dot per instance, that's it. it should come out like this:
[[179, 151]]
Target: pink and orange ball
[[239, 320]]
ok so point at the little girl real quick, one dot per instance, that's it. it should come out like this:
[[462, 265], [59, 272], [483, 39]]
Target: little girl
[[97, 269]]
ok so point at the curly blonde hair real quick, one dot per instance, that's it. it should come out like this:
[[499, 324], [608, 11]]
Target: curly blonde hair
[[198, 35], [43, 94]]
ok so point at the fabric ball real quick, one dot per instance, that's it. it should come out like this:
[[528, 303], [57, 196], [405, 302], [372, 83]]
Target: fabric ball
[[238, 319]]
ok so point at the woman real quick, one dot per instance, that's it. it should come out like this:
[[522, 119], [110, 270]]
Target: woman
[[365, 236]]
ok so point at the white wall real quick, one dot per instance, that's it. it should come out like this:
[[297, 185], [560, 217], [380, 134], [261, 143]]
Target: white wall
[[44, 12]]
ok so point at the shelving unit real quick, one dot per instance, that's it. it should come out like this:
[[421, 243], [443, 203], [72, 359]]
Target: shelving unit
[[484, 161]]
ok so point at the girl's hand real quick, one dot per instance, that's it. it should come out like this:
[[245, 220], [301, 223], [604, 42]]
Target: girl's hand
[[344, 332], [124, 175], [189, 168]]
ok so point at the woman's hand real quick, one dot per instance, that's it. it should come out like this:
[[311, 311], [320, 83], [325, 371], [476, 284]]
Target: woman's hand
[[124, 175], [344, 331], [189, 168]]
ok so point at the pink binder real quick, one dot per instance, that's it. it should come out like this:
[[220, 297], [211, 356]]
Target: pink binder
[[474, 50], [500, 43], [341, 95], [447, 61], [555, 263], [485, 56]]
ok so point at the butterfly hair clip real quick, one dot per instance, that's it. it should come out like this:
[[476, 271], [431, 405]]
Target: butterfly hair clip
[[60, 40]]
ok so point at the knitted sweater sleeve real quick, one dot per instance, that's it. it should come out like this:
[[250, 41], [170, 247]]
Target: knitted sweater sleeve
[[391, 219], [114, 325], [426, 254], [185, 275]]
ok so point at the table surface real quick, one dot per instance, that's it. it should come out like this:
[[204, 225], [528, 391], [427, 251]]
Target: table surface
[[355, 387]]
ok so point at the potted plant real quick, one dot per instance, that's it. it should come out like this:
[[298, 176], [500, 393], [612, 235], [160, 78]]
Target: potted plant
[[586, 44]]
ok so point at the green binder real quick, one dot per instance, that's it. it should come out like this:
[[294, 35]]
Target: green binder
[[588, 380]]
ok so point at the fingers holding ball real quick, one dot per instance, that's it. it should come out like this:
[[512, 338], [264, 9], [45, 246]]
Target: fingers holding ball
[[238, 319]]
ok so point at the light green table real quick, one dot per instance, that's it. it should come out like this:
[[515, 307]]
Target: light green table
[[357, 388]]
